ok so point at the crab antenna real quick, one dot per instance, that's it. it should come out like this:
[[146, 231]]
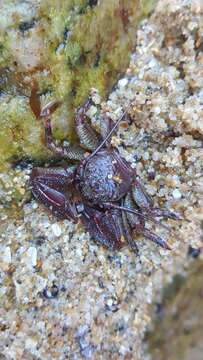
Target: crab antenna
[[110, 133], [146, 217]]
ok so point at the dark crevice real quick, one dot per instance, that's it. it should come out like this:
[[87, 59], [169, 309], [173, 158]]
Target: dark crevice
[[26, 25], [180, 68], [92, 3], [97, 60]]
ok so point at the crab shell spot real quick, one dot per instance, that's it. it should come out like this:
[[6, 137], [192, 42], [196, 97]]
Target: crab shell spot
[[105, 177]]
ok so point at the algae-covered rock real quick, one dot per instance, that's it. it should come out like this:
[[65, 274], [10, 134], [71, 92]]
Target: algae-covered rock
[[68, 47]]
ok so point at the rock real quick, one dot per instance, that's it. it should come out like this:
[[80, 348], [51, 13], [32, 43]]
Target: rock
[[180, 310], [67, 47], [56, 230], [31, 257], [176, 194]]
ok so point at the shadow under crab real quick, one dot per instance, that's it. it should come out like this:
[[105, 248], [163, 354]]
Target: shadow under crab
[[102, 190]]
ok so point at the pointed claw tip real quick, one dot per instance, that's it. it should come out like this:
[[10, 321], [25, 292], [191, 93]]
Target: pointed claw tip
[[167, 247], [178, 217], [175, 216]]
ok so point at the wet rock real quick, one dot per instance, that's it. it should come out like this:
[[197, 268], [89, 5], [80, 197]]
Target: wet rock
[[53, 44], [177, 334]]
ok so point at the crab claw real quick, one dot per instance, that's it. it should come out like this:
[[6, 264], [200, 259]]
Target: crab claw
[[48, 187], [104, 227]]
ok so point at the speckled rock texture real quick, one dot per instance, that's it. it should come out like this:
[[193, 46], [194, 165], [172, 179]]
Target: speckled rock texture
[[178, 321], [67, 47], [62, 295]]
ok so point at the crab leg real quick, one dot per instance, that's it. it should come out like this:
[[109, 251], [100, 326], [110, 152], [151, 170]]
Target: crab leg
[[145, 203], [140, 196], [108, 137], [106, 126], [104, 227], [128, 236], [69, 152], [157, 212], [137, 223], [72, 153], [145, 216], [155, 238], [87, 135], [49, 187], [34, 100]]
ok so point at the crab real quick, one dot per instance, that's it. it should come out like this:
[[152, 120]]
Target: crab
[[101, 189]]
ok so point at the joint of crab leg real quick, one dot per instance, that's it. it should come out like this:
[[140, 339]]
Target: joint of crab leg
[[49, 108], [145, 216]]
